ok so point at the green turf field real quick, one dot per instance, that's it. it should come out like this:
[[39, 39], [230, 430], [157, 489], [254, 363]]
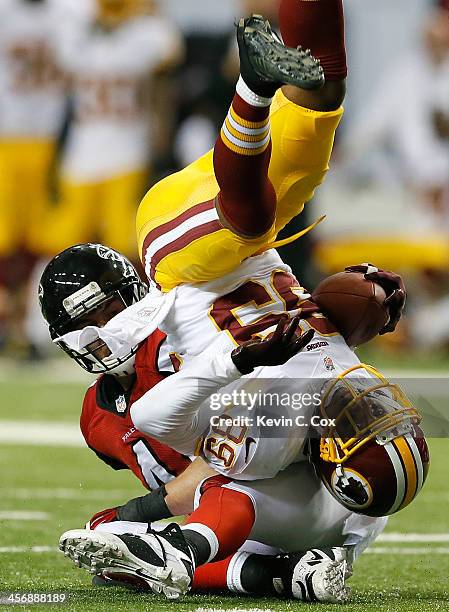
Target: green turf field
[[59, 488]]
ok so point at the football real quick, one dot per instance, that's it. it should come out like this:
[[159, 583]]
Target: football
[[354, 304]]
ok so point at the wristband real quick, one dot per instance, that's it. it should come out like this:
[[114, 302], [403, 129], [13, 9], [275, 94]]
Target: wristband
[[146, 509]]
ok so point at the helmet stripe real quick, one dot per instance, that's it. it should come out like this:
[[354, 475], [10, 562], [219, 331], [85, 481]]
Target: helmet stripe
[[410, 468], [400, 476], [418, 461]]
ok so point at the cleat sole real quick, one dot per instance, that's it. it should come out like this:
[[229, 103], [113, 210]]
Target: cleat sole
[[98, 557], [272, 61]]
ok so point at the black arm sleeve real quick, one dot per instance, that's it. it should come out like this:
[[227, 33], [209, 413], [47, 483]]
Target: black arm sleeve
[[146, 509]]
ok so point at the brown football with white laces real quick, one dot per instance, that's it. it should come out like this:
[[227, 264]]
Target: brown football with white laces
[[354, 304]]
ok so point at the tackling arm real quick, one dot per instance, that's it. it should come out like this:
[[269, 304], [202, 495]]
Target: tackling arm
[[176, 498], [170, 410]]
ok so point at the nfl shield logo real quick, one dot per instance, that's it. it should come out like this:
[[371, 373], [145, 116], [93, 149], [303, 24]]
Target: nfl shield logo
[[329, 364], [120, 403]]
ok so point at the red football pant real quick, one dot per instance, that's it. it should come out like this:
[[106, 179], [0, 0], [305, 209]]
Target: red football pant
[[228, 513]]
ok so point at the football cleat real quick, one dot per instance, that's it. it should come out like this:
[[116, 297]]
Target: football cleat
[[266, 63], [317, 575], [161, 559]]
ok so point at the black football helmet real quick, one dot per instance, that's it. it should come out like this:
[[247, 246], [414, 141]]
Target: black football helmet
[[78, 281]]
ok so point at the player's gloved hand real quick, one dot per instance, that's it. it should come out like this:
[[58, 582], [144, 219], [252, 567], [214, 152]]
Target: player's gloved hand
[[394, 287], [104, 516], [275, 349]]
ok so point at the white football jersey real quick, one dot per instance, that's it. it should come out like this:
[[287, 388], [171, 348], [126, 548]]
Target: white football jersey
[[32, 92], [245, 302], [110, 74], [205, 322], [246, 427]]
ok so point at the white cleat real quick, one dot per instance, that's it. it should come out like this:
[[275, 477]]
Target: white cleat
[[317, 575], [328, 582], [162, 559]]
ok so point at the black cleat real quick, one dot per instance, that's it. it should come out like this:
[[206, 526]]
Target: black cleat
[[159, 560], [266, 63]]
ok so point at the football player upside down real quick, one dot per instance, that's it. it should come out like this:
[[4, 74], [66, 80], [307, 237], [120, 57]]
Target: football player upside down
[[273, 151], [224, 297]]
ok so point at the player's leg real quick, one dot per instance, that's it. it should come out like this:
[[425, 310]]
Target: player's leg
[[12, 221], [304, 122], [247, 201], [75, 219], [12, 218], [221, 523], [166, 559], [34, 183], [292, 576], [185, 232], [36, 190], [319, 26], [242, 573]]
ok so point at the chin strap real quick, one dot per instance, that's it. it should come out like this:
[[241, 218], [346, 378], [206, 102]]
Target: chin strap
[[124, 369]]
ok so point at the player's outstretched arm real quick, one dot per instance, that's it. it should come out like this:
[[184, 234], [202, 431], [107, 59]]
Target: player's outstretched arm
[[171, 411]]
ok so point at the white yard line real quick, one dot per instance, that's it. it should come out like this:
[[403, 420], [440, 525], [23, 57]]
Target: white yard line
[[23, 515], [40, 433], [374, 550], [43, 493], [413, 537], [407, 550]]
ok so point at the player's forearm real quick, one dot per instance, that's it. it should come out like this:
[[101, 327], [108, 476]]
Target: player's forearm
[[181, 490], [169, 411], [174, 499]]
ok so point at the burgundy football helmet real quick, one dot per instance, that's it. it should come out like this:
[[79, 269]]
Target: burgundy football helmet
[[375, 459]]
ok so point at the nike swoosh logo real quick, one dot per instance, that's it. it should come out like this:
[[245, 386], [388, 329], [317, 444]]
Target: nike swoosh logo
[[248, 443]]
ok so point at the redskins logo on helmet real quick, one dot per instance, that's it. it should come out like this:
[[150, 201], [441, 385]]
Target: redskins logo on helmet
[[374, 459]]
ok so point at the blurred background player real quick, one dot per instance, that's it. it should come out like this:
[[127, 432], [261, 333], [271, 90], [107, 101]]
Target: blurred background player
[[107, 158], [32, 99]]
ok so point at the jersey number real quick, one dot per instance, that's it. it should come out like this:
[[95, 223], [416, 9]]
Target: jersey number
[[234, 312], [223, 445], [154, 472]]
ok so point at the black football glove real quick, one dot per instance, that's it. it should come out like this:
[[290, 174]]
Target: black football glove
[[275, 349], [394, 287]]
